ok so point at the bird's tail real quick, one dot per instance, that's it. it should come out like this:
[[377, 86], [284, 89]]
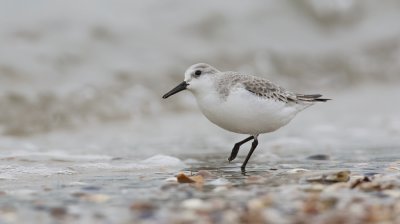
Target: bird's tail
[[311, 98]]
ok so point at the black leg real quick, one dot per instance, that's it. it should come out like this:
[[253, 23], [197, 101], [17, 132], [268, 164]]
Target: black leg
[[253, 147], [236, 147]]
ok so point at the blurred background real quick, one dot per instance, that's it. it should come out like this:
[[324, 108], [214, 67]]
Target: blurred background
[[65, 65], [81, 85]]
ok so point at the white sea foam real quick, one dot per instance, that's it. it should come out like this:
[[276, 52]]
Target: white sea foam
[[68, 167], [163, 160], [154, 162]]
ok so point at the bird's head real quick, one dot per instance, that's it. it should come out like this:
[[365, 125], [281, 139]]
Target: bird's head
[[197, 77]]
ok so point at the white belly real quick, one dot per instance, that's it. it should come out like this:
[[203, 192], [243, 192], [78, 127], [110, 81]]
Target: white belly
[[242, 112]]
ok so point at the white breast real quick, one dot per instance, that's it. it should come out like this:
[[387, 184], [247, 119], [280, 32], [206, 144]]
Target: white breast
[[245, 113]]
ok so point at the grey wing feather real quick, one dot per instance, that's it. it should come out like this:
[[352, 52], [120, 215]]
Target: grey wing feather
[[265, 88]]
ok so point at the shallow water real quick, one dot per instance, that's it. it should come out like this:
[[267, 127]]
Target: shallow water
[[104, 193]]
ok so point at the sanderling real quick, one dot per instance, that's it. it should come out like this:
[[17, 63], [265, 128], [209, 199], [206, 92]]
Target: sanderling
[[243, 104]]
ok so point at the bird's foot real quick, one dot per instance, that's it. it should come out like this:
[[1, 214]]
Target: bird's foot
[[234, 153]]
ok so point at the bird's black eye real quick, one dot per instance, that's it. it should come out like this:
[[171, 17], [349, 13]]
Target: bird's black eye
[[197, 72]]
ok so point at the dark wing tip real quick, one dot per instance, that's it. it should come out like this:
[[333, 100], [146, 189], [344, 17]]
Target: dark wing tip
[[321, 100], [311, 98]]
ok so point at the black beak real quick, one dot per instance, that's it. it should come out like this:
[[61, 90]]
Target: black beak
[[178, 88]]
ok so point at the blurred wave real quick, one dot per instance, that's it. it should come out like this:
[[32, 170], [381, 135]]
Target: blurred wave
[[64, 65]]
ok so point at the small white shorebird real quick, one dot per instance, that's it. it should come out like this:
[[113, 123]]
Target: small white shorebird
[[243, 104]]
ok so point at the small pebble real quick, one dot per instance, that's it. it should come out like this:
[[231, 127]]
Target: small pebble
[[39, 205], [97, 198], [313, 188], [255, 204], [78, 194], [58, 212], [185, 179], [142, 206], [221, 189], [341, 176], [196, 204], [91, 188], [47, 189], [318, 157], [359, 181], [298, 170]]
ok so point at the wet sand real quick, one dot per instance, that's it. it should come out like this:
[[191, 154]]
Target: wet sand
[[279, 190]]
